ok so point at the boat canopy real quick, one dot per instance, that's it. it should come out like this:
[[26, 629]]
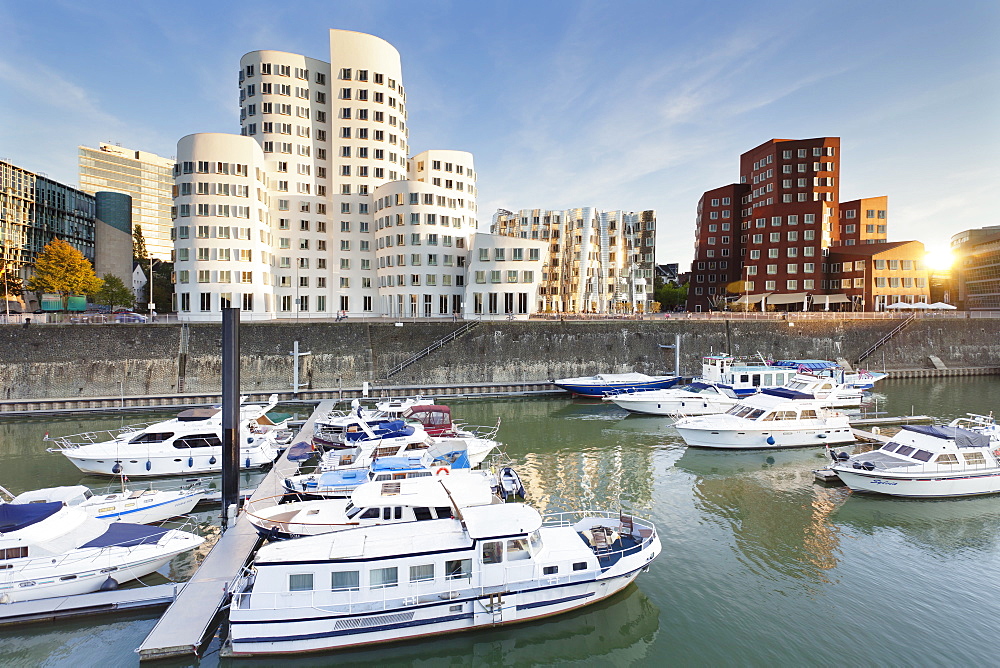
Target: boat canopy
[[812, 365], [16, 516], [123, 534], [963, 437], [390, 429], [786, 393], [512, 519], [396, 463], [347, 477], [196, 414], [429, 415]]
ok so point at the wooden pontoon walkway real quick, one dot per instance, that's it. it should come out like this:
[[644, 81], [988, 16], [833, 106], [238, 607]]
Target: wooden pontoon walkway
[[186, 623]]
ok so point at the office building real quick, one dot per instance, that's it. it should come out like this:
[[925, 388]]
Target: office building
[[765, 240], [146, 177], [315, 209], [977, 268], [594, 261]]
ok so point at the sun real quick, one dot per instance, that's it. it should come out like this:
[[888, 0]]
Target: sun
[[939, 260]]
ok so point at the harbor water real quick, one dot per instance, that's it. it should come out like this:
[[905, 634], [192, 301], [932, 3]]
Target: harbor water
[[761, 565]]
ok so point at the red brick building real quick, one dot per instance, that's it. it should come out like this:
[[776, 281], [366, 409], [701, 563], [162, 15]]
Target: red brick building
[[766, 237]]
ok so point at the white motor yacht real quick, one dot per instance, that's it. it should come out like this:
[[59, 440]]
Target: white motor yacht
[[51, 549], [140, 506], [481, 567], [693, 399], [410, 500], [189, 443], [768, 420], [929, 461]]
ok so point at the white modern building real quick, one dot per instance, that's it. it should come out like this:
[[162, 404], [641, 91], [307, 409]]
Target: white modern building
[[504, 277], [146, 177], [316, 209], [595, 262]]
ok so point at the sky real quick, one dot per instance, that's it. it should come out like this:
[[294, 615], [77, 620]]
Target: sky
[[628, 105]]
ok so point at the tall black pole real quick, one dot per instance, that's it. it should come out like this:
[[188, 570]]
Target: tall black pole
[[230, 410]]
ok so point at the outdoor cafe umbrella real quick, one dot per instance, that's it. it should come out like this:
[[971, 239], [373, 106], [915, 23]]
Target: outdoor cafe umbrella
[[942, 306], [899, 305]]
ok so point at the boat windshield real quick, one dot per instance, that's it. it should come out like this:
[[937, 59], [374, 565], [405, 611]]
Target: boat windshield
[[747, 412], [352, 510], [152, 437]]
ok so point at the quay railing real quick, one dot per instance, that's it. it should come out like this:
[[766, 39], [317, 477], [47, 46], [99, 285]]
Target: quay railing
[[885, 339], [431, 348]]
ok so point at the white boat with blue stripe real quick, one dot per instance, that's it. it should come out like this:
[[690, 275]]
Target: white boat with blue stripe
[[610, 383], [140, 506], [487, 566]]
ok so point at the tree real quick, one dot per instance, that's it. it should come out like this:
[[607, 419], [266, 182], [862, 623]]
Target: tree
[[114, 293], [670, 295], [62, 269], [139, 244], [163, 287]]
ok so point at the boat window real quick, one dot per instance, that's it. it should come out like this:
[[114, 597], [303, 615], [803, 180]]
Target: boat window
[[422, 514], [422, 573], [889, 447], [905, 450], [768, 379], [387, 513], [153, 437], [420, 474], [826, 386], [974, 458], [550, 570], [796, 385], [397, 513], [383, 476], [779, 379], [769, 417], [922, 455], [755, 413], [300, 582], [443, 512], [735, 410], [744, 378], [947, 458], [785, 415], [14, 553], [517, 548], [345, 581], [458, 569], [351, 512], [370, 514], [416, 446], [198, 441], [580, 566], [808, 414], [756, 380], [379, 578], [492, 552]]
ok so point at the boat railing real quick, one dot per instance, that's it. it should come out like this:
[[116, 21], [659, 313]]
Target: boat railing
[[642, 530], [486, 432], [922, 469], [72, 441]]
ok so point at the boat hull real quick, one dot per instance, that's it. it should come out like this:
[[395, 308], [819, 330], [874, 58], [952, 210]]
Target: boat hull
[[922, 486], [400, 624], [598, 390], [139, 512], [687, 406], [178, 462], [759, 439]]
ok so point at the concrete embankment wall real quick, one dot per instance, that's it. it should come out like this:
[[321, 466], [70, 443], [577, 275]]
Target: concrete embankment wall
[[108, 360]]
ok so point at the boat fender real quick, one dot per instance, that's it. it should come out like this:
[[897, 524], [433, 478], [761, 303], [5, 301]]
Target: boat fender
[[821, 435], [868, 466], [856, 465], [212, 460], [441, 471], [190, 461], [249, 440], [876, 431], [843, 456], [770, 440], [248, 463], [117, 468], [109, 585], [149, 465]]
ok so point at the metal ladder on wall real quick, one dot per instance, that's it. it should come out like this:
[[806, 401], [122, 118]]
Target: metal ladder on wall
[[885, 339], [431, 348]]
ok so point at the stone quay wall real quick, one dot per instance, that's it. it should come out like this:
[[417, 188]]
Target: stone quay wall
[[49, 361]]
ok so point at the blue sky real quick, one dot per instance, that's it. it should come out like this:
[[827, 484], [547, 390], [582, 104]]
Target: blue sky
[[624, 105]]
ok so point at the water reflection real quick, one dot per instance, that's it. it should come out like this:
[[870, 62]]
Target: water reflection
[[948, 526]]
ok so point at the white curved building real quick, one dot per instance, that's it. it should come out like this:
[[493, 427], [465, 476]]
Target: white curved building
[[332, 143], [222, 232]]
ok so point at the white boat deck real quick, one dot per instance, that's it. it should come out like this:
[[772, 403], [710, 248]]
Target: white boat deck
[[183, 627]]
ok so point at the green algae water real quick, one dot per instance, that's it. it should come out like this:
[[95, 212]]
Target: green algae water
[[761, 566]]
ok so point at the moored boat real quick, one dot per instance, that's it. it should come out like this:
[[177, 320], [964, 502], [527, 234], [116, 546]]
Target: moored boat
[[767, 420], [485, 566], [604, 383], [139, 506], [189, 443], [51, 549], [929, 461]]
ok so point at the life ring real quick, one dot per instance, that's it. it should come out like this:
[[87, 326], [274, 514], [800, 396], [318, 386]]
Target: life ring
[[441, 471], [996, 452]]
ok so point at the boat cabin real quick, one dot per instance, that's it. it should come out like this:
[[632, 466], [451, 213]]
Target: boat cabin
[[931, 444], [435, 419]]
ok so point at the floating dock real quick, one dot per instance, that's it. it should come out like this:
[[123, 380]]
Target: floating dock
[[888, 421], [63, 607], [184, 626]]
